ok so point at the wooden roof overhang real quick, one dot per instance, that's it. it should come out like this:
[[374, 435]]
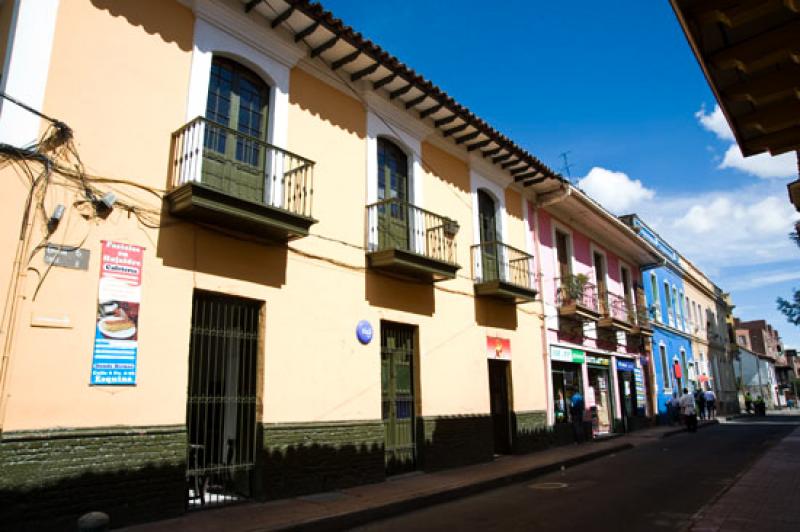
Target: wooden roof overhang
[[356, 59], [749, 51]]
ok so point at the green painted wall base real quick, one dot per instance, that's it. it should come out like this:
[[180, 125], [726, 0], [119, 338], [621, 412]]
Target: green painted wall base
[[50, 478], [300, 458], [452, 441]]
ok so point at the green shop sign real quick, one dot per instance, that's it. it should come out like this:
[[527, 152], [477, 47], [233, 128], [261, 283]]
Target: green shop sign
[[562, 354]]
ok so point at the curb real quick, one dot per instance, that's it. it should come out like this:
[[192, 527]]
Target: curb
[[682, 430], [360, 517]]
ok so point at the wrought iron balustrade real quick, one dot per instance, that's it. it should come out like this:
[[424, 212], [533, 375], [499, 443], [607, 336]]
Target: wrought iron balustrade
[[496, 261], [615, 307], [573, 290], [241, 166], [395, 224]]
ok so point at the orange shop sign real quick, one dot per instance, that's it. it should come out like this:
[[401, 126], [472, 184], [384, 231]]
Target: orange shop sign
[[498, 348]]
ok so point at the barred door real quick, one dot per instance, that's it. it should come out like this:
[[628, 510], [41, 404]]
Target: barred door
[[221, 408], [397, 383]]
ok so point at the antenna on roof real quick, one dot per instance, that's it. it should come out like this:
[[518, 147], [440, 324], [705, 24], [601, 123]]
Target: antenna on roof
[[567, 166]]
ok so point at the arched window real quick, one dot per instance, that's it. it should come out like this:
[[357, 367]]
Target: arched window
[[393, 215], [392, 172], [487, 219], [236, 133]]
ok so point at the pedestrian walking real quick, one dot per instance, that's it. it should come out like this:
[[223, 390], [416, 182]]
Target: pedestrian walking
[[700, 399], [688, 410], [674, 408], [576, 408], [711, 404], [748, 402]]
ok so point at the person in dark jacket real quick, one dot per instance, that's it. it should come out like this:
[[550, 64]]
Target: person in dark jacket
[[576, 408]]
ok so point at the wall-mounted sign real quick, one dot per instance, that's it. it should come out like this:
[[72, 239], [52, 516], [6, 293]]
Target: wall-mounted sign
[[638, 378], [117, 327], [563, 354], [67, 257], [676, 366], [625, 365], [598, 361], [498, 348], [364, 332]]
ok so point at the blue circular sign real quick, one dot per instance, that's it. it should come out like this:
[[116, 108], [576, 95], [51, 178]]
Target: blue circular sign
[[364, 332]]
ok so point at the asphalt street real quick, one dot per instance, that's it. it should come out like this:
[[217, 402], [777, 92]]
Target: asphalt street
[[657, 486]]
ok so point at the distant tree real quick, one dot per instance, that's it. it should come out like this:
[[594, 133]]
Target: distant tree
[[791, 309]]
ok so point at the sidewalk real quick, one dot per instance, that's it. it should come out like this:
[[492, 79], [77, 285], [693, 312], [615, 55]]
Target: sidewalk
[[361, 504], [763, 498]]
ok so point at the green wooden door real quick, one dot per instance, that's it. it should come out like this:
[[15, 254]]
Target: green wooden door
[[397, 386], [490, 265], [393, 218], [235, 159]]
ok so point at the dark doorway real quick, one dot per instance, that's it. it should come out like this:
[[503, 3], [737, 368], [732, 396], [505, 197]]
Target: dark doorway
[[221, 406], [397, 394], [499, 398], [627, 397]]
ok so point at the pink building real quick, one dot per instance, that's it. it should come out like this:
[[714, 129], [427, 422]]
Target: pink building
[[596, 322]]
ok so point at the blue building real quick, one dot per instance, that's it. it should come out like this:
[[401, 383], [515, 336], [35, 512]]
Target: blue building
[[672, 359]]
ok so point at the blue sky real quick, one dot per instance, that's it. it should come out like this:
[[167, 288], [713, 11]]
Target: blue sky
[[614, 84]]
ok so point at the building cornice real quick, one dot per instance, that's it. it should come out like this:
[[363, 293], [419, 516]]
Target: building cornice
[[233, 21]]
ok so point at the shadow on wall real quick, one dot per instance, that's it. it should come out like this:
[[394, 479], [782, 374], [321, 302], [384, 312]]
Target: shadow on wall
[[408, 296], [191, 247], [128, 497], [495, 313], [156, 17], [302, 469], [444, 166], [452, 441], [322, 100]]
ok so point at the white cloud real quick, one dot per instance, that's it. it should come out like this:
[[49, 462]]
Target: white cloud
[[715, 122], [721, 229], [762, 165], [762, 279], [615, 190]]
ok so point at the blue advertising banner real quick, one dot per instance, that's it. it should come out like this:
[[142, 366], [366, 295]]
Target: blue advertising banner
[[625, 365], [117, 329]]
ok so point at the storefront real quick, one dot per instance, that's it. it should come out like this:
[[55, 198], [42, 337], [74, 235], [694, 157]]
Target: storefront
[[567, 376], [631, 391], [599, 394]]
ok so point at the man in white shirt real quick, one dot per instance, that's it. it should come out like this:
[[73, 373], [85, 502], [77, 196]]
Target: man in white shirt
[[711, 404], [688, 411]]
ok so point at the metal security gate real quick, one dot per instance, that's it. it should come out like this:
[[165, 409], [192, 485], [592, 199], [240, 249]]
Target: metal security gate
[[221, 407], [397, 385]]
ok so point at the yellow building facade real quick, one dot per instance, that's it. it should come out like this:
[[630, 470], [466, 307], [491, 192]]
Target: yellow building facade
[[316, 283]]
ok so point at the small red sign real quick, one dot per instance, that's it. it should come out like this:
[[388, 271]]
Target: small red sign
[[498, 348], [678, 371]]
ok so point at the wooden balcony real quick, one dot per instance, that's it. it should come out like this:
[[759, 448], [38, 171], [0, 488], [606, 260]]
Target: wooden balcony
[[642, 327], [225, 178], [576, 299], [615, 314], [503, 272], [411, 242]]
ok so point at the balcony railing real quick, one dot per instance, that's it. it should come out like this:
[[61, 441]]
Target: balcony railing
[[573, 293], [240, 166], [503, 271], [394, 224], [412, 242], [615, 307]]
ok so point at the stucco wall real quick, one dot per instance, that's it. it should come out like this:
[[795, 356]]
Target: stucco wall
[[102, 83]]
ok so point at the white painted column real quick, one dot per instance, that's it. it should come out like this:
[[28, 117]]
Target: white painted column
[[26, 66]]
